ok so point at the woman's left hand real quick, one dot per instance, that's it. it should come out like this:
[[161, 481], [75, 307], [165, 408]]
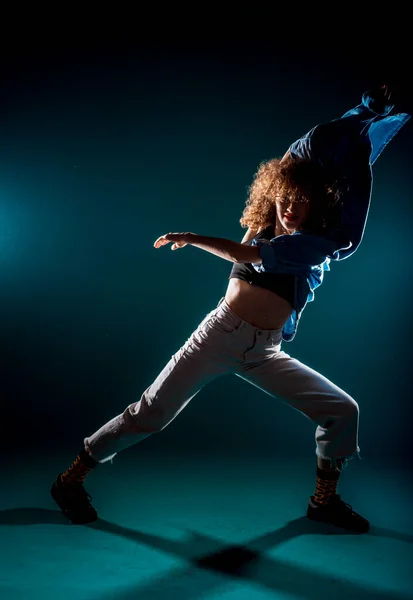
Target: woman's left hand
[[179, 240]]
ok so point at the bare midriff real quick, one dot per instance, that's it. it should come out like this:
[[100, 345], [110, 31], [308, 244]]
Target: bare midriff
[[257, 305]]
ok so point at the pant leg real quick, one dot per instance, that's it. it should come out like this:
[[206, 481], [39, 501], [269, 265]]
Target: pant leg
[[334, 412], [207, 354]]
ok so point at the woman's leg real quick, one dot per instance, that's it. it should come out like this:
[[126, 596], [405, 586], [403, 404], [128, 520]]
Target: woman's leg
[[207, 354], [197, 363], [334, 412], [336, 415]]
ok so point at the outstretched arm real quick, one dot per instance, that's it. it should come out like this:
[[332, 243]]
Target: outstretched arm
[[227, 249], [297, 254]]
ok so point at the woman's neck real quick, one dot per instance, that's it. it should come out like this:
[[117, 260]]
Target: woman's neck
[[280, 230]]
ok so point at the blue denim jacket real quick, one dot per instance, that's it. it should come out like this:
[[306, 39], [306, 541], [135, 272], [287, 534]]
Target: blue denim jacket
[[347, 147]]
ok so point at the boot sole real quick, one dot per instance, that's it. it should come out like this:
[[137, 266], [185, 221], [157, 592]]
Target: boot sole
[[318, 517]]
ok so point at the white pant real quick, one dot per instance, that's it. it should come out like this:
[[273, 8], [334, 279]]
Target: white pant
[[223, 343]]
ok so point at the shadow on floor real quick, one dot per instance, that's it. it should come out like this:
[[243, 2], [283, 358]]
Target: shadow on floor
[[209, 560]]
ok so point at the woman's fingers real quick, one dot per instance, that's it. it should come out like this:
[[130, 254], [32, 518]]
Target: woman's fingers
[[170, 237], [161, 241], [177, 245]]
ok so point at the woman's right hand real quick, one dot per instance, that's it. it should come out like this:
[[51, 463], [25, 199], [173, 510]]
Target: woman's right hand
[[179, 240]]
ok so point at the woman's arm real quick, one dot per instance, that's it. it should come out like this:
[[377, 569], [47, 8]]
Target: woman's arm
[[251, 233], [286, 156], [298, 253], [227, 249], [223, 248]]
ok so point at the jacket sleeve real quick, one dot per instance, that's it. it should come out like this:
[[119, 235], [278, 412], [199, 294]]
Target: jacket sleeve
[[296, 254], [347, 148]]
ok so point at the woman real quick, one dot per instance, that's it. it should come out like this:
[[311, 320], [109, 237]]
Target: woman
[[302, 212]]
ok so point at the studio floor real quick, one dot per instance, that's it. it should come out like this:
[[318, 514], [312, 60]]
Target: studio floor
[[178, 528]]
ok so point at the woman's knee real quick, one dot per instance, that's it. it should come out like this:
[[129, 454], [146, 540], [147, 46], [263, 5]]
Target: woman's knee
[[349, 409], [145, 417]]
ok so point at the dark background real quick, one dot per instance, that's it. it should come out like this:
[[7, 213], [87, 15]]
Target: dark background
[[109, 140]]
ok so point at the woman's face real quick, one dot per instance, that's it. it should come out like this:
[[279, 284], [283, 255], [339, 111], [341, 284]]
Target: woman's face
[[291, 215]]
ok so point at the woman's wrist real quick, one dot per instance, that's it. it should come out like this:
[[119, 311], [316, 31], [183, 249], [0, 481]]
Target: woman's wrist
[[192, 238]]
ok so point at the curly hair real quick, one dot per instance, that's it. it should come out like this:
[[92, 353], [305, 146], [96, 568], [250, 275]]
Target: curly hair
[[299, 181]]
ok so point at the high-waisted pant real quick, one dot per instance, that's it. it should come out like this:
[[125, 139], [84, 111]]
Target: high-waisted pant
[[222, 344]]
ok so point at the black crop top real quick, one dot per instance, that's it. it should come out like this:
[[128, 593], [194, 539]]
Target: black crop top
[[280, 283]]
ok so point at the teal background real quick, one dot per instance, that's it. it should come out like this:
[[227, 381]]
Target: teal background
[[110, 137], [101, 152]]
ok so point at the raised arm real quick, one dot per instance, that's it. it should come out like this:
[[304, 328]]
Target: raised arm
[[250, 233]]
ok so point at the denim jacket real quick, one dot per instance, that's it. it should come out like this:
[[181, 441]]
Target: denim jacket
[[347, 147]]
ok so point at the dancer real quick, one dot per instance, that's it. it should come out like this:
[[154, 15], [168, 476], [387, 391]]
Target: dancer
[[303, 212]]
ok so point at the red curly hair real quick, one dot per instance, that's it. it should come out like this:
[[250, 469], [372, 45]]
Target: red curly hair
[[297, 180]]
